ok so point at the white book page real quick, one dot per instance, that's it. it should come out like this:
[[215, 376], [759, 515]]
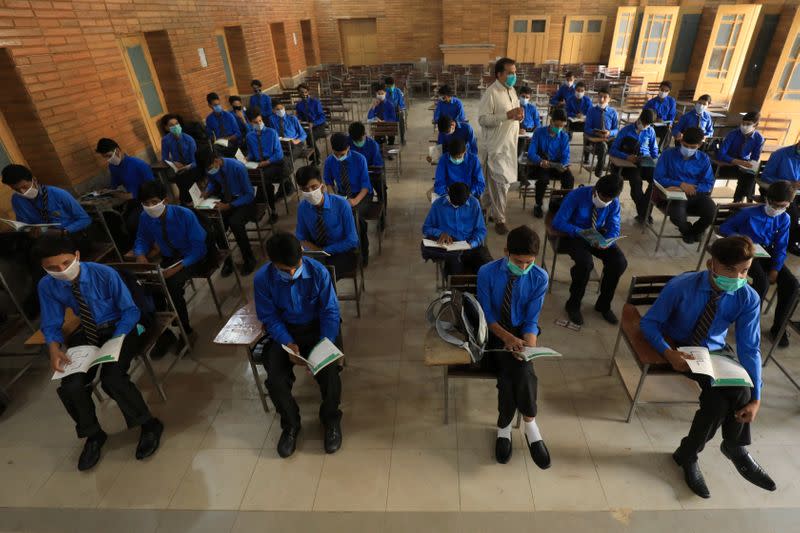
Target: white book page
[[701, 364], [222, 142], [670, 195]]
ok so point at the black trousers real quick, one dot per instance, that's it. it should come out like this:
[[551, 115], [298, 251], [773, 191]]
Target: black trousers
[[319, 132], [75, 390], [184, 180], [700, 205], [363, 228], [574, 127], [517, 383], [542, 176], [745, 182], [794, 226], [636, 176], [717, 408], [600, 149], [236, 218], [787, 287], [343, 263], [661, 132], [457, 263], [581, 252], [273, 173], [280, 378], [382, 139], [176, 285]]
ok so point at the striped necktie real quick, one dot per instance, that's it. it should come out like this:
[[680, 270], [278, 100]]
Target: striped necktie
[[43, 211], [260, 146], [179, 144], [505, 312], [321, 229], [703, 324], [344, 173], [87, 320], [282, 127], [594, 217]]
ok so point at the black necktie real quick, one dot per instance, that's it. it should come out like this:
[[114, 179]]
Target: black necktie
[[703, 324], [221, 120], [226, 187], [260, 147], [344, 171], [602, 118], [180, 149], [43, 211], [505, 312], [85, 314], [172, 250], [322, 231], [281, 128], [594, 217]]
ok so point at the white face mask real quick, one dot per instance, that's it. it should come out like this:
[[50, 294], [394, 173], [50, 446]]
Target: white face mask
[[603, 105], [700, 107], [773, 212], [688, 152], [380, 97], [69, 273], [524, 101], [31, 193], [579, 95], [598, 203], [747, 129], [260, 126], [115, 159], [662, 94], [155, 211], [280, 112], [313, 197]]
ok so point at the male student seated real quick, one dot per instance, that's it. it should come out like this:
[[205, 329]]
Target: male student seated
[[347, 172], [296, 301], [103, 303], [228, 180], [699, 117], [741, 148], [264, 148], [175, 233], [592, 208], [532, 119], [288, 128], [382, 111], [784, 164], [449, 129], [637, 143], [179, 148], [458, 165], [309, 109], [548, 154], [511, 292], [768, 225], [448, 105], [221, 124], [685, 168], [238, 111], [364, 145], [696, 309], [602, 123], [578, 106], [665, 109], [259, 99], [452, 218], [564, 91]]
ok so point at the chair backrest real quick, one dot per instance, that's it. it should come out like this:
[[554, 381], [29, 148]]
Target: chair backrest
[[462, 282], [384, 129], [635, 100], [774, 129], [644, 290], [150, 277]]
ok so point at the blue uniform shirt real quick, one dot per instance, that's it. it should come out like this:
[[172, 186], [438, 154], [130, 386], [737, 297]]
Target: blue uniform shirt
[[645, 140], [264, 145], [564, 92], [396, 97], [187, 238], [234, 173], [263, 102], [576, 107], [575, 214], [693, 120], [310, 110], [469, 172], [181, 149], [291, 127], [551, 148], [309, 298], [680, 305], [672, 170], [62, 208], [532, 119], [339, 224], [783, 164], [770, 232], [597, 120], [371, 151], [222, 125], [665, 108], [463, 131], [105, 293], [527, 296], [464, 223], [357, 173], [244, 125], [453, 109], [130, 173], [737, 145], [384, 111]]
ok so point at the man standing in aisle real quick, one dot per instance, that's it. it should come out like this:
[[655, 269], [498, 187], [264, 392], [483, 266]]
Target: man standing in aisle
[[499, 116]]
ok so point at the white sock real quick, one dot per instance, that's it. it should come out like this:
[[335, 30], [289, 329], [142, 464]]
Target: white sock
[[532, 431], [504, 433]]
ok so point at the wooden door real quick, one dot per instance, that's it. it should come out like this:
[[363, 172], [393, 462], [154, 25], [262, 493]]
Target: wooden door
[[527, 38], [623, 34], [730, 38], [227, 64], [655, 40], [782, 99], [9, 153], [359, 41], [683, 43], [144, 82], [583, 39]]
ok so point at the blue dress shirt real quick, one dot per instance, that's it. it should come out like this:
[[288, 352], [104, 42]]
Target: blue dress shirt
[[244, 125], [62, 208], [234, 173], [310, 110], [783, 164], [665, 108], [263, 102], [187, 238], [527, 296], [575, 214], [463, 223], [596, 119], [291, 127], [340, 224], [130, 173], [384, 111], [463, 131], [181, 149], [545, 146], [737, 145], [222, 125], [770, 232], [453, 109], [469, 172], [645, 140], [264, 145], [532, 119], [693, 120], [396, 97], [672, 170], [564, 92], [357, 173], [371, 151], [576, 107]]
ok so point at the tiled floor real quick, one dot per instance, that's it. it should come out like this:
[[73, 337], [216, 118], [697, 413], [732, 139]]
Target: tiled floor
[[218, 469]]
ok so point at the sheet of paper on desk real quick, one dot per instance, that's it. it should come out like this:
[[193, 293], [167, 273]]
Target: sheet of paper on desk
[[222, 142], [457, 246], [174, 167], [240, 156]]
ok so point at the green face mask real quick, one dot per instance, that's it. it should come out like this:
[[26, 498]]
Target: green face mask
[[360, 143], [517, 271], [729, 284], [555, 130]]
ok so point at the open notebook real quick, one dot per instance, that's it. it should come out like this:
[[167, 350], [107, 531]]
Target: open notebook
[[323, 354], [670, 195], [457, 246], [82, 358], [198, 200], [724, 371]]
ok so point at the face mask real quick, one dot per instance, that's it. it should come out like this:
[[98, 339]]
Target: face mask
[[217, 108], [555, 130], [688, 152], [115, 159], [747, 129], [212, 171], [304, 96], [524, 101], [774, 212], [342, 157], [456, 160], [69, 273], [257, 90], [313, 197], [517, 271], [31, 193], [360, 143], [700, 108], [511, 80], [579, 95], [603, 105], [260, 126], [570, 83], [729, 284], [662, 94], [155, 211], [380, 97], [280, 112], [598, 203], [176, 130], [285, 276]]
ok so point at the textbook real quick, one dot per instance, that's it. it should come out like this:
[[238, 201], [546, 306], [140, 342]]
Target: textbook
[[596, 239], [723, 370], [86, 356], [174, 167], [670, 195], [760, 251], [251, 165], [457, 246], [529, 353], [647, 162], [323, 354], [435, 152], [240, 156], [317, 253], [576, 119], [19, 226], [199, 202], [222, 142]]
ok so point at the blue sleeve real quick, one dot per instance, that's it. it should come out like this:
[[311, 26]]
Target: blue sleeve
[[588, 124], [164, 147], [328, 308], [779, 244], [652, 144], [144, 240], [277, 150], [755, 154], [440, 179], [651, 104], [129, 313], [709, 130], [252, 146], [115, 179], [680, 125], [612, 220], [376, 155], [662, 173], [748, 341], [363, 175], [673, 110], [430, 228], [213, 183], [564, 149], [461, 116], [302, 113], [301, 230], [233, 124], [706, 181], [478, 181], [21, 214], [770, 172], [653, 321], [563, 219], [533, 149], [530, 323], [732, 225], [80, 218], [724, 150], [301, 134], [437, 111], [557, 97], [616, 147], [192, 151], [479, 232], [267, 312], [537, 120], [244, 181], [52, 312], [485, 293], [197, 239], [145, 172], [350, 241], [614, 129], [209, 130], [371, 113]]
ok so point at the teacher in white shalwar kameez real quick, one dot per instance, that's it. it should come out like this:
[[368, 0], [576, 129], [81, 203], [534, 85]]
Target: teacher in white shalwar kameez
[[499, 118]]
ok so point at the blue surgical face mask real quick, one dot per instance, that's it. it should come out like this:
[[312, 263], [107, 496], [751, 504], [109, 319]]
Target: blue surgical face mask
[[212, 171], [688, 152], [456, 160], [217, 108], [517, 271], [729, 284], [285, 276], [511, 80]]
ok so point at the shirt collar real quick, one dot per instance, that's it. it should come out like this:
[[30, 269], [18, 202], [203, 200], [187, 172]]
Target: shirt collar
[[326, 204]]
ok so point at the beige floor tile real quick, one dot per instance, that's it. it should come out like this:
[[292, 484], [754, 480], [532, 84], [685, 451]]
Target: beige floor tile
[[216, 479], [639, 479], [25, 471], [486, 485], [148, 484], [281, 484], [423, 480], [354, 480], [420, 425], [570, 484]]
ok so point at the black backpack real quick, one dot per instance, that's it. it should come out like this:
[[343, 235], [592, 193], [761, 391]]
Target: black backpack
[[142, 297]]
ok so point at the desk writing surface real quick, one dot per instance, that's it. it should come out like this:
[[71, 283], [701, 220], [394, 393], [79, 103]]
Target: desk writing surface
[[441, 353], [71, 323], [623, 163], [242, 329]]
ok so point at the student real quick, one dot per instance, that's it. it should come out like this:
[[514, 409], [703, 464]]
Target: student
[[665, 109], [784, 164], [325, 223], [452, 218], [238, 111], [448, 105], [768, 225], [288, 128], [229, 181], [396, 98], [179, 148], [221, 124], [459, 165], [592, 208], [511, 292], [741, 148], [381, 111], [696, 309], [296, 301], [348, 172], [180, 238], [634, 142], [532, 119], [309, 109], [103, 303], [260, 100], [549, 147], [366, 146], [698, 117], [264, 148], [686, 168], [449, 129], [564, 91], [602, 122], [578, 106]]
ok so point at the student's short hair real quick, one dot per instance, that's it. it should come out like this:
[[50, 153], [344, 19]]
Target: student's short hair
[[569, 74], [780, 191], [558, 114], [693, 135], [302, 86], [284, 248], [166, 118], [444, 122], [306, 174], [106, 145], [665, 83], [253, 113], [388, 80], [339, 141], [458, 192], [255, 82], [445, 90], [456, 146], [647, 117], [705, 98], [356, 130], [500, 65], [205, 157], [152, 189], [609, 186], [233, 98], [53, 244], [733, 250], [13, 174], [751, 116], [522, 241], [210, 97], [277, 103], [525, 90], [603, 90], [580, 84]]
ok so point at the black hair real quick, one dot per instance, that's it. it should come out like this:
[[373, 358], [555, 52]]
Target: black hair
[[569, 74], [166, 118], [693, 135], [106, 145], [306, 174], [234, 98], [210, 97], [580, 84], [152, 189], [733, 250], [284, 248], [388, 80], [558, 114], [665, 83], [356, 130], [13, 174], [339, 141], [500, 65], [256, 82], [205, 157], [751, 116], [780, 191], [647, 117], [522, 241], [253, 113], [445, 90], [444, 123], [456, 146], [458, 193], [603, 90], [705, 97], [303, 86], [52, 244], [525, 90], [609, 186]]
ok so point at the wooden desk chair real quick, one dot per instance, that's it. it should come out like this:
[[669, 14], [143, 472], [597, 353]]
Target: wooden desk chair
[[378, 208], [305, 154], [389, 129], [527, 187], [659, 202]]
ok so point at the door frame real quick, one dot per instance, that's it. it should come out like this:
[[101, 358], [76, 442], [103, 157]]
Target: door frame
[[545, 46], [232, 89], [621, 60], [652, 72], [151, 123]]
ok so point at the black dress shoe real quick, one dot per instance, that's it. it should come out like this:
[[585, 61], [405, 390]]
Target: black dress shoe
[[539, 453], [248, 266], [502, 450], [574, 316], [227, 268], [91, 451], [333, 437], [783, 342], [748, 467], [538, 212], [689, 238], [608, 315], [150, 438], [288, 442], [693, 477]]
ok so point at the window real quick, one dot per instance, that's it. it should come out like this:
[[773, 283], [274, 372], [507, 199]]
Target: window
[[538, 26], [687, 35], [760, 48], [223, 51], [576, 26], [654, 39], [789, 84], [724, 46], [520, 26], [5, 157], [624, 33], [144, 76], [594, 26]]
